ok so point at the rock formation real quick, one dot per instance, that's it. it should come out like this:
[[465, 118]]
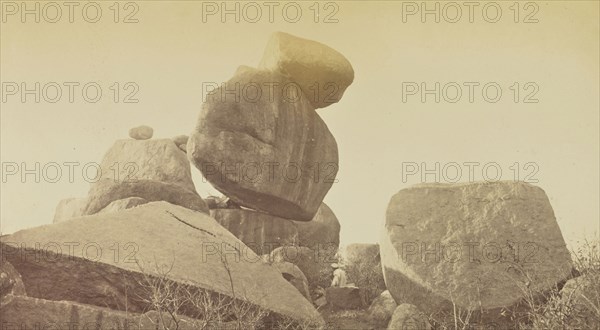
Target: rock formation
[[474, 245]]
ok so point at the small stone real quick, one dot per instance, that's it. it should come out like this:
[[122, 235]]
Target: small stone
[[141, 132]]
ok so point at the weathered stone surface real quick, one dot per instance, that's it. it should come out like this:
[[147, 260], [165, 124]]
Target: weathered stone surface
[[345, 297], [141, 132], [382, 308], [198, 251], [314, 265], [323, 231], [69, 208], [11, 283], [154, 170], [294, 275], [322, 73], [477, 245], [124, 204], [259, 231], [267, 151], [408, 317]]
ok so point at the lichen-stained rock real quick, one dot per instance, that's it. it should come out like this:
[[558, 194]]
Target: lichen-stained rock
[[124, 204], [69, 208], [322, 73], [103, 260], [323, 231], [477, 245], [259, 231], [155, 170], [264, 147]]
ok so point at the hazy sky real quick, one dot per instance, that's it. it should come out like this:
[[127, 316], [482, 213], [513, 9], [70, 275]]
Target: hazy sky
[[170, 52]]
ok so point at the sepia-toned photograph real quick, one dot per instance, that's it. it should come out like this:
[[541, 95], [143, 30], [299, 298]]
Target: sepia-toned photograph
[[299, 165]]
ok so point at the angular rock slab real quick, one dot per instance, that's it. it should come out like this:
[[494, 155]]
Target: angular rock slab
[[156, 236], [155, 170], [322, 73], [487, 234], [69, 208], [267, 151]]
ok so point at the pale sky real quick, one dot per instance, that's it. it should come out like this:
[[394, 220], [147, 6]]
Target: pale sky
[[170, 52]]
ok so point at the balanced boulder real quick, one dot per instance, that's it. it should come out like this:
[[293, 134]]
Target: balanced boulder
[[321, 72], [473, 246], [141, 132], [265, 148]]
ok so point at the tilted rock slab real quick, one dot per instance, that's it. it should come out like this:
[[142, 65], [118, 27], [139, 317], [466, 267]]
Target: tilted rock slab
[[471, 244], [321, 72], [155, 170], [101, 260], [265, 149]]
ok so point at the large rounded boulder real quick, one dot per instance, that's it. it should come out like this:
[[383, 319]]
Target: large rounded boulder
[[476, 246]]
